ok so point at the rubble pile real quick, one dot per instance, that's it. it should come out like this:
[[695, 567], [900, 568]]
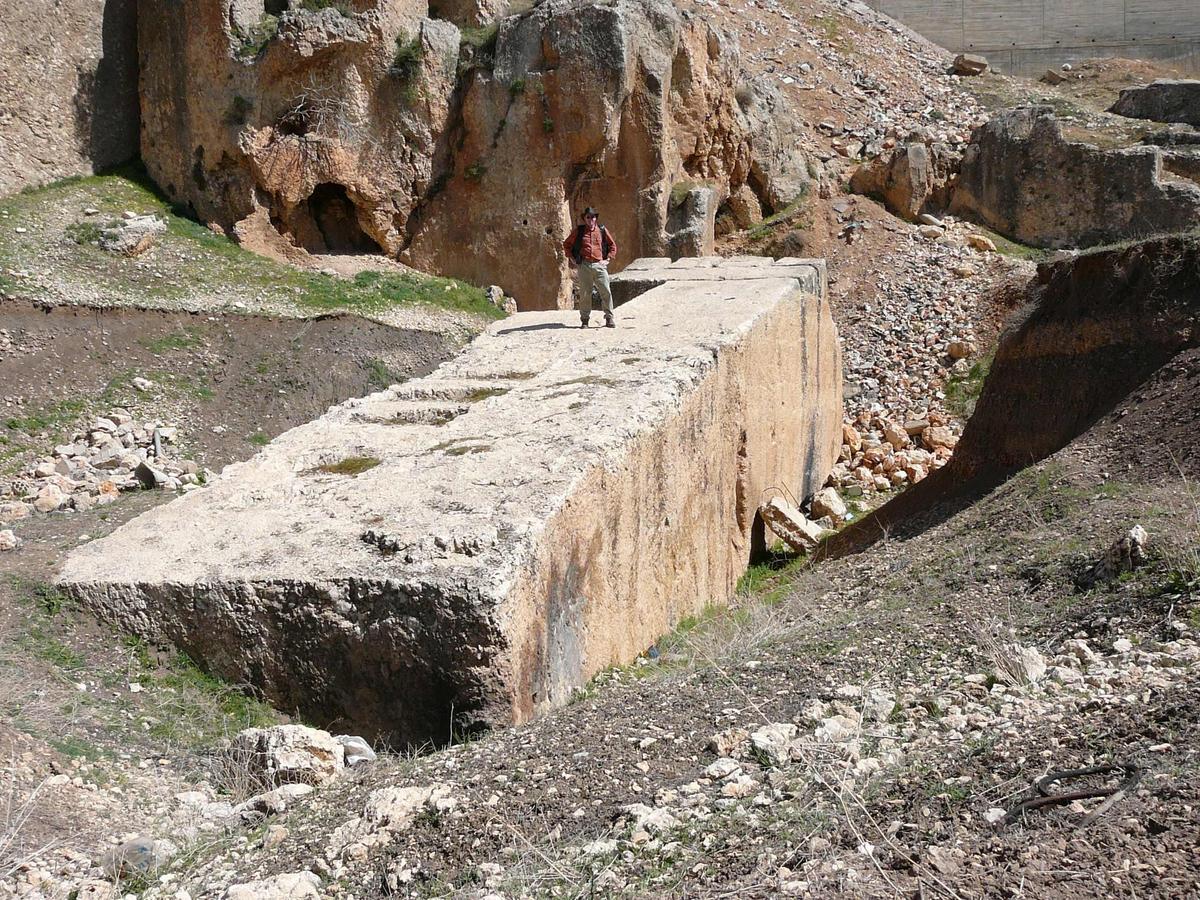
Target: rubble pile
[[115, 454]]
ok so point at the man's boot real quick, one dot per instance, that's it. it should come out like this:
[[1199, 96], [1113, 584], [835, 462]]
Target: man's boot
[[610, 322], [583, 323]]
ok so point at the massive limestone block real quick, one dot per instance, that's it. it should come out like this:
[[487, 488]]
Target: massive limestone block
[[1165, 100], [1021, 178], [471, 546], [384, 130], [645, 274]]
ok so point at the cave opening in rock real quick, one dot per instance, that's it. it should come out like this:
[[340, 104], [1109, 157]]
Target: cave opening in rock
[[275, 7], [327, 223]]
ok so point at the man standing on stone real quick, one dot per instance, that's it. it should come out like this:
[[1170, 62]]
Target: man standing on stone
[[589, 248]]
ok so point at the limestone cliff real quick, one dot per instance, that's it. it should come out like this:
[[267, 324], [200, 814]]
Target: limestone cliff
[[68, 89], [369, 126]]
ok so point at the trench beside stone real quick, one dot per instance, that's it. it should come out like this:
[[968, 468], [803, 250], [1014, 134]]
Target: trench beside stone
[[468, 548]]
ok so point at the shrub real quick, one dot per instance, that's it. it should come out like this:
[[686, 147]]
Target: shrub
[[342, 6], [254, 41], [406, 64], [83, 232]]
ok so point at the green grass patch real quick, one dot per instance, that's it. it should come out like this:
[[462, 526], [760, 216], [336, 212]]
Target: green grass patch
[[258, 439], [84, 232], [1016, 250], [192, 261], [342, 6], [377, 291], [47, 418], [786, 216], [252, 41], [962, 391], [484, 393], [201, 708], [406, 62], [182, 339], [351, 465], [480, 39]]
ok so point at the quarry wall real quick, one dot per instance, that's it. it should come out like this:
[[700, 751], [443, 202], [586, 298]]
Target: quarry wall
[[1028, 36], [68, 89]]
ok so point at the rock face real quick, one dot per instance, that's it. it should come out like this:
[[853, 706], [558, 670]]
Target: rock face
[[1101, 325], [479, 542], [1162, 101], [386, 131], [1096, 330], [1021, 178], [68, 89], [911, 179]]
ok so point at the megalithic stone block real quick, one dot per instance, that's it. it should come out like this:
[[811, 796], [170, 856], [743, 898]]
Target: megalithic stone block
[[468, 548]]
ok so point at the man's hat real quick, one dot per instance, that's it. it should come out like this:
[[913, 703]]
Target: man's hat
[[590, 211]]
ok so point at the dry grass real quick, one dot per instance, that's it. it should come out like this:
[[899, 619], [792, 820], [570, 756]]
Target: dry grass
[[15, 812]]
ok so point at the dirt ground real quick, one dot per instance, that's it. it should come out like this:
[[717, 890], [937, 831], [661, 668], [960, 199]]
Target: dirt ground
[[248, 377]]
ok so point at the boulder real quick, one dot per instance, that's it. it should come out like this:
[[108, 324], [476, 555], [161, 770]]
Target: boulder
[[405, 580], [132, 237], [744, 208], [790, 525], [969, 65], [1021, 178], [139, 856], [828, 502], [271, 803], [49, 499], [287, 754], [1126, 553], [771, 742], [960, 349], [357, 750], [911, 179], [293, 886], [691, 223], [939, 436], [1166, 100], [8, 540], [14, 511]]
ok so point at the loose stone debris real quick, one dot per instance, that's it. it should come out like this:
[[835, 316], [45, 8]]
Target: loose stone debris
[[115, 454]]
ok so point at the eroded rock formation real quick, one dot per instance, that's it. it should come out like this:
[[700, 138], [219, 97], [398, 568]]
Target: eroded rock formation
[[1023, 179], [1165, 100], [469, 547], [369, 126], [910, 179]]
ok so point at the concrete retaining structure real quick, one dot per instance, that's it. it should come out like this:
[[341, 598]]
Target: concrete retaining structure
[[1029, 36], [470, 547]]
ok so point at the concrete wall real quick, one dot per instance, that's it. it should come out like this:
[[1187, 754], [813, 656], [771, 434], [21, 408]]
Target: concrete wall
[[68, 89], [1029, 36]]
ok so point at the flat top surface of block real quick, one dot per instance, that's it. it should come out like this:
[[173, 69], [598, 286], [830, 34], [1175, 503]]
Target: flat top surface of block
[[448, 476]]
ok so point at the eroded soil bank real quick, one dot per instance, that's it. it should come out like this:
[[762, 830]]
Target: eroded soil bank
[[230, 382]]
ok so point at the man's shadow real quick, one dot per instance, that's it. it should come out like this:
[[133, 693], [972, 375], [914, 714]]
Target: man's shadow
[[541, 326]]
